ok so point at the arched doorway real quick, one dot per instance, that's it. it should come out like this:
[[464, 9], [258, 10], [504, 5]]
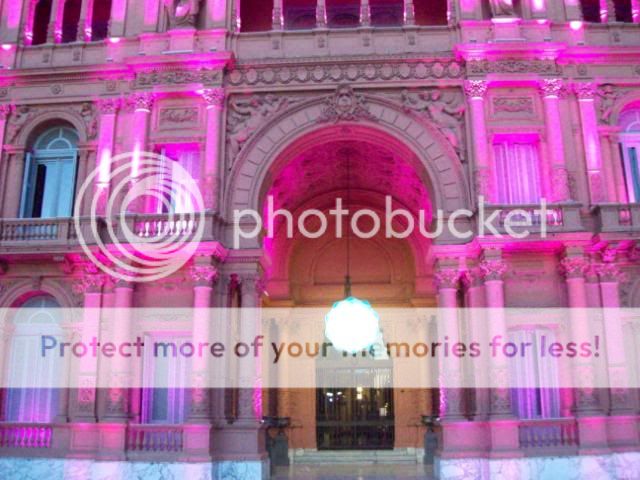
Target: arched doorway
[[364, 172]]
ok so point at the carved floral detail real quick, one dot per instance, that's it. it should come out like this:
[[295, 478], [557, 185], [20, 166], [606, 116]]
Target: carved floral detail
[[447, 278], [545, 66], [493, 269], [585, 91], [574, 267], [141, 101], [475, 88], [345, 105], [205, 76], [513, 105], [5, 110], [552, 87], [179, 115], [108, 106], [213, 96], [203, 275]]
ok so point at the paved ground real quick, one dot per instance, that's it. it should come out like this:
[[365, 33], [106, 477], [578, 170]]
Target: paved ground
[[356, 472]]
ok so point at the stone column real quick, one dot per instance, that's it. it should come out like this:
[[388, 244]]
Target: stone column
[[409, 13], [592, 431], [117, 408], [551, 89], [476, 91], [142, 104], [13, 189], [635, 11], [118, 15], [5, 111], [203, 277], [54, 32], [214, 97], [106, 135], [619, 191], [277, 17], [447, 278], [365, 13], [83, 405], [86, 21], [591, 139], [321, 14]]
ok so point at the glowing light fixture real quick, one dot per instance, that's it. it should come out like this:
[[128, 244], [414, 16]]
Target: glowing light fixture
[[575, 25], [352, 325]]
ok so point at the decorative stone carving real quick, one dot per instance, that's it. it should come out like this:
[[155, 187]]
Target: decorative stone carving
[[315, 72], [574, 267], [108, 105], [179, 116], [513, 65], [609, 272], [475, 88], [447, 278], [502, 8], [214, 97], [88, 284], [88, 113], [585, 91], [444, 109], [247, 114], [493, 269], [511, 105], [5, 110], [203, 275], [182, 13], [345, 105], [608, 96], [552, 87], [141, 101], [206, 76], [19, 117]]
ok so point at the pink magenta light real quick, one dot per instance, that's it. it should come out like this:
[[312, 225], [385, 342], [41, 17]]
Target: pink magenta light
[[7, 46], [575, 25], [538, 5], [114, 39]]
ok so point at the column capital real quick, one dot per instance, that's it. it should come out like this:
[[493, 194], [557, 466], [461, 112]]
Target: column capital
[[574, 267], [213, 97], [585, 90], [203, 275], [476, 88], [142, 101], [472, 278], [447, 278], [552, 87], [609, 273], [109, 106], [493, 269], [89, 284]]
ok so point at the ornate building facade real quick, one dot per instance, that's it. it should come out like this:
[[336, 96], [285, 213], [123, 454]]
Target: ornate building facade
[[436, 103]]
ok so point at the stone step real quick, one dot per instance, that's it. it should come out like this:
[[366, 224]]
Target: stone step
[[356, 457]]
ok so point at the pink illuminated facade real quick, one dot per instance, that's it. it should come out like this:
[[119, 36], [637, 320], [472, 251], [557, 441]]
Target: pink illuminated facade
[[436, 103]]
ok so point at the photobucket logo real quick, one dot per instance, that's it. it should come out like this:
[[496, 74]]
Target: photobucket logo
[[399, 222], [146, 216]]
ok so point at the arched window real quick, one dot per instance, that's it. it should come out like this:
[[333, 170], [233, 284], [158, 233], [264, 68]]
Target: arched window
[[255, 15], [41, 18], [50, 175], [299, 14], [630, 146], [35, 400], [100, 20]]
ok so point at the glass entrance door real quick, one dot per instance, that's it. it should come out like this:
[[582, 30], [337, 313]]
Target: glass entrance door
[[355, 418]]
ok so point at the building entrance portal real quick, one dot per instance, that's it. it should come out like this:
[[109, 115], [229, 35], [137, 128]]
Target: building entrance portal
[[355, 418]]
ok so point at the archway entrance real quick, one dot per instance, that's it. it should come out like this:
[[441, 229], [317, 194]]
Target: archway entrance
[[364, 172]]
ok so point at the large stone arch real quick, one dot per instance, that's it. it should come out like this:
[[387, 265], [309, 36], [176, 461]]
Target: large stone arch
[[38, 120], [430, 151]]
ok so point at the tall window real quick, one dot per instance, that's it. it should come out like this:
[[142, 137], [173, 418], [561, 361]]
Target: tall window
[[36, 401], [100, 19], [517, 168], [343, 13], [299, 14], [165, 375], [187, 157], [70, 20], [630, 145], [50, 175], [544, 401], [41, 18], [255, 15], [430, 12]]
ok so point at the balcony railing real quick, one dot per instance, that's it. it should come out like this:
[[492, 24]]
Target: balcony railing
[[15, 233], [155, 438], [563, 217], [617, 217], [25, 435], [548, 435]]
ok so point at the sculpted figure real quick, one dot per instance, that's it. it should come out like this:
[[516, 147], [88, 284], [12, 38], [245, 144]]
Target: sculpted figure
[[182, 13], [502, 8]]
